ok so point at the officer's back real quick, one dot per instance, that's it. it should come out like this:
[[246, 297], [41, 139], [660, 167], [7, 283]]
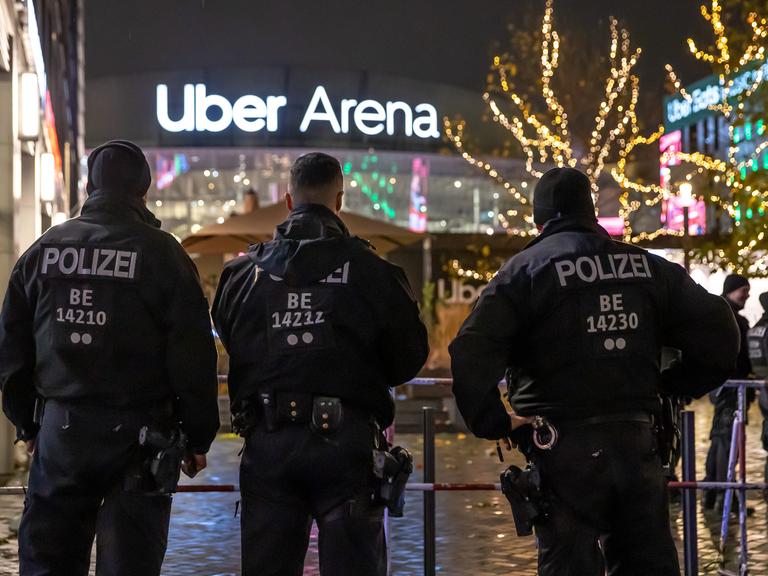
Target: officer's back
[[316, 310], [104, 330], [585, 318], [318, 329]]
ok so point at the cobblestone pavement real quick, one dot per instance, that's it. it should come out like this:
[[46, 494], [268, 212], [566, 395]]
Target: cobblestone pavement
[[475, 532]]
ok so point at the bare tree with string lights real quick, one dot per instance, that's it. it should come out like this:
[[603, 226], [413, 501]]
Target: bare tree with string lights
[[740, 190], [539, 122]]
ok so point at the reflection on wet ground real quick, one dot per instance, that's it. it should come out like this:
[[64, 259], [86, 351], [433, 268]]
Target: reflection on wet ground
[[475, 531]]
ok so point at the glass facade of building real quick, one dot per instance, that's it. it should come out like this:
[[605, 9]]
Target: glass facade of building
[[195, 187]]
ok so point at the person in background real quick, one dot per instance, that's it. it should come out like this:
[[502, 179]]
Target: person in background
[[736, 293]]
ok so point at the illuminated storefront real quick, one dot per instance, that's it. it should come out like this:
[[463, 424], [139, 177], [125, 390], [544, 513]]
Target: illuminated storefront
[[691, 125]]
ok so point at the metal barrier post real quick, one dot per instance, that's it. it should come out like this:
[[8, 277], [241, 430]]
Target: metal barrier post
[[690, 530], [731, 477], [429, 496], [743, 557]]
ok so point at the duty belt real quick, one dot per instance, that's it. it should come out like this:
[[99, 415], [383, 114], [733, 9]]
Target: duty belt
[[641, 417], [275, 409], [545, 434]]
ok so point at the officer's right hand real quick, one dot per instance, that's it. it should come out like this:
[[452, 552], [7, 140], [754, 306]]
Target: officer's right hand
[[30, 446], [191, 464], [518, 421]]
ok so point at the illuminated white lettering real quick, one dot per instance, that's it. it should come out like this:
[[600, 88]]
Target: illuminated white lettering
[[393, 107], [187, 121], [426, 126], [249, 112], [320, 97], [204, 112], [203, 103], [346, 107], [370, 111]]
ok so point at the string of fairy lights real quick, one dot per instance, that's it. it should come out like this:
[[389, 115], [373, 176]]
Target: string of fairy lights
[[545, 136], [734, 191], [546, 139]]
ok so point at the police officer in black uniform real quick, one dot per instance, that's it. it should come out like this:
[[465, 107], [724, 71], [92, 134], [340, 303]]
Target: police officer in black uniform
[[318, 329], [584, 318], [736, 293], [104, 330], [757, 342]]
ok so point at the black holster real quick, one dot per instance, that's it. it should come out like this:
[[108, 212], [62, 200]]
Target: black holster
[[668, 432], [158, 468], [523, 490], [392, 469], [244, 417]]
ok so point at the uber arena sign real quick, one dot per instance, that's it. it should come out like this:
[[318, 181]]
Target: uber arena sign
[[251, 113]]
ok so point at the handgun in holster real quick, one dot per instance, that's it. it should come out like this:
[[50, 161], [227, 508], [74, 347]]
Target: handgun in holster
[[392, 468], [245, 416], [668, 432], [158, 471], [523, 490]]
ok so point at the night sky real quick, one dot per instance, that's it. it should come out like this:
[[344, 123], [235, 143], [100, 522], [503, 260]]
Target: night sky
[[447, 41]]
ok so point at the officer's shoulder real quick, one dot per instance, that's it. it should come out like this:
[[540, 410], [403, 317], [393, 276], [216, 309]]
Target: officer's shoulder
[[53, 234], [365, 253], [156, 237], [363, 245], [365, 250], [238, 263]]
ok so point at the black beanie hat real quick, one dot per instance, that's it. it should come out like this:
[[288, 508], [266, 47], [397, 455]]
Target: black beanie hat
[[734, 282], [562, 192], [119, 165]]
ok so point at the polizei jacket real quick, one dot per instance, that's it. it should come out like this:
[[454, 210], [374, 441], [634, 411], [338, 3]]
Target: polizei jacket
[[317, 311], [106, 309], [584, 319]]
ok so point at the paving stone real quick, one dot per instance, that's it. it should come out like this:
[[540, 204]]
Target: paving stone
[[475, 531]]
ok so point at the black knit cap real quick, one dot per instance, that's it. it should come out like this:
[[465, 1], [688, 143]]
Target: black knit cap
[[734, 282], [562, 192], [764, 300], [121, 166]]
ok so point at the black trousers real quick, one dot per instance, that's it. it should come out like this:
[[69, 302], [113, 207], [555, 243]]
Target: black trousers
[[76, 492], [292, 475], [608, 511]]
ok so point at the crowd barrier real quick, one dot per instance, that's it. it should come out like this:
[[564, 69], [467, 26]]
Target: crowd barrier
[[737, 459]]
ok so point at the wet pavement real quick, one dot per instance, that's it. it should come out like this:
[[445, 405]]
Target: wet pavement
[[475, 531]]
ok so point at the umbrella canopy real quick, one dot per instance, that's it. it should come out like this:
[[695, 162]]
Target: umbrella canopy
[[238, 232]]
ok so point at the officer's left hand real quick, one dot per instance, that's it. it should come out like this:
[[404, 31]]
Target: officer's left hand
[[30, 445], [516, 421]]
